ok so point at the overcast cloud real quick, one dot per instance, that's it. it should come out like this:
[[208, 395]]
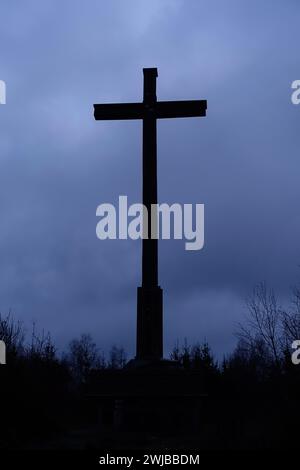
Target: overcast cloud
[[57, 164]]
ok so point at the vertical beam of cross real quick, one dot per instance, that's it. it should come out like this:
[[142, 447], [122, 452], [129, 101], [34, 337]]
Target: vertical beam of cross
[[150, 245]]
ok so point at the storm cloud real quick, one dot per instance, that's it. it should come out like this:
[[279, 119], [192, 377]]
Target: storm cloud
[[57, 164]]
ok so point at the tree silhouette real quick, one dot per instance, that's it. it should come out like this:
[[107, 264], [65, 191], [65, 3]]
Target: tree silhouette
[[83, 356]]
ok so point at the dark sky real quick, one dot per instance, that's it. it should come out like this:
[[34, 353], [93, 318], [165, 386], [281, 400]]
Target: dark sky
[[58, 57]]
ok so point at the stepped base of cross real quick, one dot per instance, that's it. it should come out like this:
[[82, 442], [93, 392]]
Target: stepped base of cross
[[149, 396], [152, 364]]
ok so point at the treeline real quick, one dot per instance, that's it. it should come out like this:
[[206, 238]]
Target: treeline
[[264, 340], [43, 392], [266, 335], [81, 356]]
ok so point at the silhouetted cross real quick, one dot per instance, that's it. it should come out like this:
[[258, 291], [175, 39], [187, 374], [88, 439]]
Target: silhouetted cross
[[149, 316]]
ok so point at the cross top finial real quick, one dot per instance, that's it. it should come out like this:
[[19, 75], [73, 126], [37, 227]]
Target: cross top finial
[[150, 85], [152, 71]]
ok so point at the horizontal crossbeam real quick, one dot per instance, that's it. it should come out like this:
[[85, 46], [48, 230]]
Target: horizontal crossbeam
[[180, 109], [160, 110], [118, 111]]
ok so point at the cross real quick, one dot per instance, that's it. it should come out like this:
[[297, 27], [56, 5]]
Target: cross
[[149, 342]]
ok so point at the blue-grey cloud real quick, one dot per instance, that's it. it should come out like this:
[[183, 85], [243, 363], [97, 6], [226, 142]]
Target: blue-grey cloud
[[58, 164]]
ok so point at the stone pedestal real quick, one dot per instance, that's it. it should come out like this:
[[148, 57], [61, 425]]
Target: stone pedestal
[[152, 398]]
